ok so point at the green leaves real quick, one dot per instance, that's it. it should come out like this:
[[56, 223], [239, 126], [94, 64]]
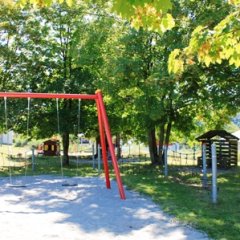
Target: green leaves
[[175, 64], [234, 2], [124, 8], [39, 3], [222, 43], [6, 2], [151, 15], [212, 46]]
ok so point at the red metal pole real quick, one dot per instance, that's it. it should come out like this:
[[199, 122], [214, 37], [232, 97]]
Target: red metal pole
[[110, 144], [103, 145], [47, 95]]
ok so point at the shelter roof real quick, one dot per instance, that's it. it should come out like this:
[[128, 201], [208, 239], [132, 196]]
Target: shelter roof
[[213, 133]]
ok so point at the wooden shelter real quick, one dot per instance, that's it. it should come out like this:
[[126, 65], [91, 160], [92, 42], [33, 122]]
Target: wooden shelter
[[51, 148], [226, 148]]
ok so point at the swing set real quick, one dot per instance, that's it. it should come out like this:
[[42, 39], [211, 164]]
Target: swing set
[[104, 128]]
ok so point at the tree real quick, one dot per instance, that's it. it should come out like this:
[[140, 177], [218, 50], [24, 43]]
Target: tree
[[146, 102], [149, 99], [80, 48], [61, 55]]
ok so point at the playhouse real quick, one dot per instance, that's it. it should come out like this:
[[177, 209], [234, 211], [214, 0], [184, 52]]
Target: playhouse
[[49, 148]]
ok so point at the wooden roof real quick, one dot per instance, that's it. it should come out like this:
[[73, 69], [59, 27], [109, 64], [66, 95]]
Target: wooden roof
[[213, 133]]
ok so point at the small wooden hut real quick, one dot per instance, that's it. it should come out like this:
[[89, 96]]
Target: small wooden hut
[[51, 148], [226, 148]]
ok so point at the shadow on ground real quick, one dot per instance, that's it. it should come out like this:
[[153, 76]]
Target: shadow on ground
[[47, 210]]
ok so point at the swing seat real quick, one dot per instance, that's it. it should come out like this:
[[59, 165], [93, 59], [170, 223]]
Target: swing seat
[[17, 186], [69, 184]]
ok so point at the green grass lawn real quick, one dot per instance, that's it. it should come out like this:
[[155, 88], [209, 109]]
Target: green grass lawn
[[191, 204], [180, 195], [45, 166]]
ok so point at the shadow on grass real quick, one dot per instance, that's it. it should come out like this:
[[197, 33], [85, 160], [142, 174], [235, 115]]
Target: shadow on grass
[[193, 205]]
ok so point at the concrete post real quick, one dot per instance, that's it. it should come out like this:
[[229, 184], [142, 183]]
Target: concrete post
[[93, 158], [214, 173], [204, 162], [165, 162], [99, 159], [33, 160]]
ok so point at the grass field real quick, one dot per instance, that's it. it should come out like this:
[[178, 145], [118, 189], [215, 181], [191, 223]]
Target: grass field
[[182, 196]]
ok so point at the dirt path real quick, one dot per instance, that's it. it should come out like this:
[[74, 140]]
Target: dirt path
[[45, 210]]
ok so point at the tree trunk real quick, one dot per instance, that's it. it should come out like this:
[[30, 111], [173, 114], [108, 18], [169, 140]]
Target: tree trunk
[[65, 139], [168, 132], [97, 139], [118, 146], [152, 146]]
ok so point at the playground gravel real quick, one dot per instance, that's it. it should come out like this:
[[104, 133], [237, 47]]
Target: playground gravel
[[45, 210]]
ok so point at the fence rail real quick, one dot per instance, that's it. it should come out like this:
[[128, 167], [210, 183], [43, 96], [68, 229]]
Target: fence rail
[[183, 159]]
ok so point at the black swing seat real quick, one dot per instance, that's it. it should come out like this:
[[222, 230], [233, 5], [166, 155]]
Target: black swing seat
[[69, 184], [17, 186]]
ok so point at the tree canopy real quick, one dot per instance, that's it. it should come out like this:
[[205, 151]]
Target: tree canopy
[[212, 43], [54, 49], [149, 14], [123, 47], [209, 44]]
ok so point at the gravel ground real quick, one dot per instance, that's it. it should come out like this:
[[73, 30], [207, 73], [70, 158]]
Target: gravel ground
[[45, 210]]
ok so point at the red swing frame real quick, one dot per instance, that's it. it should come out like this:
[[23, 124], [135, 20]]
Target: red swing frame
[[103, 127]]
